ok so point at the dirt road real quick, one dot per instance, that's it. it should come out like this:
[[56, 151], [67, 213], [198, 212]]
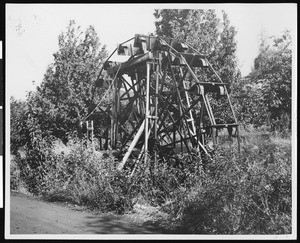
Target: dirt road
[[33, 216]]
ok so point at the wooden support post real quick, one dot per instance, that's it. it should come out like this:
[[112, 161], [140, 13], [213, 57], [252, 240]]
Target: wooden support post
[[156, 113], [147, 110], [137, 83], [166, 105], [117, 112], [213, 121], [141, 153], [201, 124], [188, 102], [111, 132], [174, 138], [132, 145], [231, 107], [182, 110], [191, 119], [235, 119]]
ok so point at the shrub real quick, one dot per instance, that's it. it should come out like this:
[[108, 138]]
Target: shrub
[[15, 180], [80, 175], [246, 194], [85, 177], [230, 193]]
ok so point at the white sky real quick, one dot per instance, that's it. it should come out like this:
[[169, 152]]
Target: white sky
[[32, 31]]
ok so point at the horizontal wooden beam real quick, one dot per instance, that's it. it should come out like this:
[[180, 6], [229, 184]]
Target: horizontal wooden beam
[[222, 125], [130, 64]]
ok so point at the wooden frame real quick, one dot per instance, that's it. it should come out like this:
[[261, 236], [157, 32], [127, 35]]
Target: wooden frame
[[159, 102]]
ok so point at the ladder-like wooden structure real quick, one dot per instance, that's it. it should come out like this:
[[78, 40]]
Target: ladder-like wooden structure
[[158, 99]]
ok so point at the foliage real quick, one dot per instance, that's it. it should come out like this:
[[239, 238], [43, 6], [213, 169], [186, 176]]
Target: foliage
[[15, 181], [19, 133], [68, 92], [246, 194], [85, 177], [248, 102], [272, 79], [227, 194], [230, 193], [157, 185], [205, 32], [210, 35], [80, 176], [56, 108]]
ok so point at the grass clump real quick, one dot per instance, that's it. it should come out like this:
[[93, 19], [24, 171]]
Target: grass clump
[[248, 193], [80, 176], [230, 193]]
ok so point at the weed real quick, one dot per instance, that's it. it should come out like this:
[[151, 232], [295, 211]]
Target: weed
[[231, 193]]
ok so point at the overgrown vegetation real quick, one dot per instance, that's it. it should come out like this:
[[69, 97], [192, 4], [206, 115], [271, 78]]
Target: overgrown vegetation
[[266, 92], [230, 193], [248, 193], [241, 194]]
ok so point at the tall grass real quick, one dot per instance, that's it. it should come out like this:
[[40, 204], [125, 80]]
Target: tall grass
[[248, 193], [76, 174], [231, 193]]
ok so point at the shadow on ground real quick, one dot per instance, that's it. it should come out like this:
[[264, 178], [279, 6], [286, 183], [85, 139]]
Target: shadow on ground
[[162, 227], [112, 224]]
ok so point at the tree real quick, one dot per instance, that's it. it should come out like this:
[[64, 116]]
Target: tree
[[68, 91], [249, 103], [204, 31], [54, 110], [273, 72], [210, 35], [18, 129]]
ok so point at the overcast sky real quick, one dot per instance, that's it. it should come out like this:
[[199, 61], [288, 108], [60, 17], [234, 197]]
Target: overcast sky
[[32, 31]]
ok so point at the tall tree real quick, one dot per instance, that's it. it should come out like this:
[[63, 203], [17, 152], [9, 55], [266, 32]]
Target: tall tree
[[68, 91], [273, 72], [207, 33], [210, 35]]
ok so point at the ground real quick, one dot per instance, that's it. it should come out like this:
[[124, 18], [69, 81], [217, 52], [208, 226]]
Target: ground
[[31, 215]]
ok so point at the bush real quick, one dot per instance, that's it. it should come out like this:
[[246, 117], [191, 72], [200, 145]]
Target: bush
[[85, 177], [15, 179], [79, 175], [230, 193], [158, 185], [246, 194]]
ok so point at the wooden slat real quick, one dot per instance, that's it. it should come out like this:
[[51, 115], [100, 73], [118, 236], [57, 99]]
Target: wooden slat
[[130, 64], [223, 125]]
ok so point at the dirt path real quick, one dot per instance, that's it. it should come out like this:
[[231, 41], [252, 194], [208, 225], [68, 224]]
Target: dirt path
[[33, 216]]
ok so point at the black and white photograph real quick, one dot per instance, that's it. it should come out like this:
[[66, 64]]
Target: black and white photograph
[[150, 121]]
